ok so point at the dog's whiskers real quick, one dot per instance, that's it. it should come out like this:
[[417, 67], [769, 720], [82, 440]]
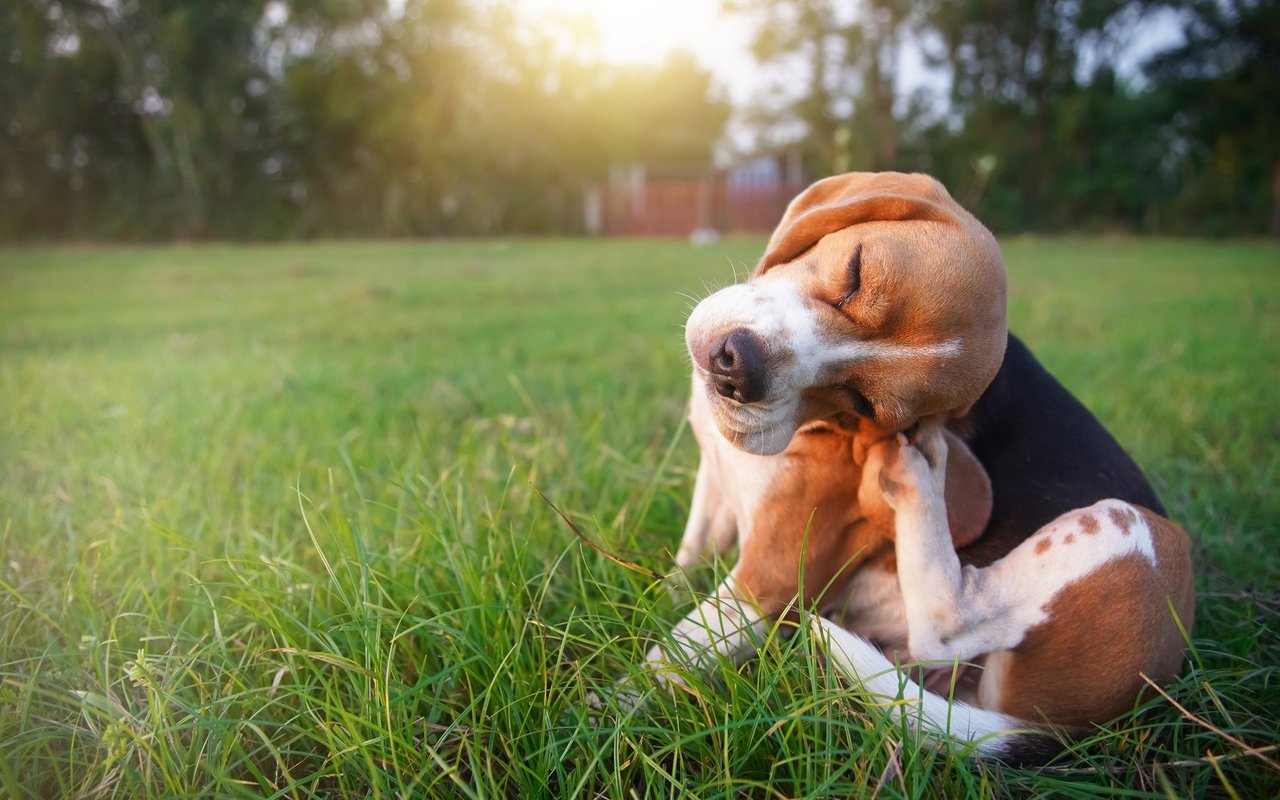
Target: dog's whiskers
[[688, 296], [733, 266]]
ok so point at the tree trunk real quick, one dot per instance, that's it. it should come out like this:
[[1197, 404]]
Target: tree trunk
[[1275, 198], [884, 67], [1041, 94], [188, 175]]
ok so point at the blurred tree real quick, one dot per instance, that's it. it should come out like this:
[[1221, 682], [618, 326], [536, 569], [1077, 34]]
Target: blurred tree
[[1107, 163], [811, 36], [883, 25], [670, 113], [68, 139], [841, 113], [188, 118], [183, 66], [1012, 63], [1041, 130], [370, 108], [1218, 93], [267, 118]]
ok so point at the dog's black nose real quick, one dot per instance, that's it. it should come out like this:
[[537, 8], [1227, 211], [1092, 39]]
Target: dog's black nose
[[737, 367]]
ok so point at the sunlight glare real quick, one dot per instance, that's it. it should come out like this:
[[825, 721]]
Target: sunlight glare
[[641, 33]]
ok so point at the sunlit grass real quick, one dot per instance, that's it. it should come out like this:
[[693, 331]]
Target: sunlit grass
[[267, 523]]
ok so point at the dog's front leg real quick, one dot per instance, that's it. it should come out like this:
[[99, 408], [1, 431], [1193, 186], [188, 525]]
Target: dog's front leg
[[711, 519], [723, 625], [952, 612]]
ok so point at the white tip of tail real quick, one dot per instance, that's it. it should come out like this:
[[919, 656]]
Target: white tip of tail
[[993, 735]]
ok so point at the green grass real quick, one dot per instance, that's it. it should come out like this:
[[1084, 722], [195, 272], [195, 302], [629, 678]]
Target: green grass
[[267, 528]]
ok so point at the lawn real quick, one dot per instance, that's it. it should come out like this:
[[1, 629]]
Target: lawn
[[268, 523]]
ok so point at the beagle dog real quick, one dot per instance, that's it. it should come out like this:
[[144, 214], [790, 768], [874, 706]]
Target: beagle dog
[[881, 449]]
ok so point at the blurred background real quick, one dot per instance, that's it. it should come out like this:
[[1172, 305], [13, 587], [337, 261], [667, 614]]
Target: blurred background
[[270, 119]]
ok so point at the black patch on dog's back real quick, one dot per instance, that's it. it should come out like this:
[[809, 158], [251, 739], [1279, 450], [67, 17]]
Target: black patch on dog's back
[[1045, 454]]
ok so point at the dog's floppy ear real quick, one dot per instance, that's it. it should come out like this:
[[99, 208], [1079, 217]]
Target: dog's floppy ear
[[968, 492], [843, 200]]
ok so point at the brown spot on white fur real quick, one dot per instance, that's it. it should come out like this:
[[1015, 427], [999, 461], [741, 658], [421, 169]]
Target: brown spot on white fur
[[1043, 545], [1123, 519], [1089, 524], [1119, 615]]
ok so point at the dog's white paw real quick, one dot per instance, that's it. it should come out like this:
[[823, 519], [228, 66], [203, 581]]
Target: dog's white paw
[[913, 471]]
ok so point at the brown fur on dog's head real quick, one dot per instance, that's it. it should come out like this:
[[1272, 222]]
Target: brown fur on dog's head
[[929, 276]]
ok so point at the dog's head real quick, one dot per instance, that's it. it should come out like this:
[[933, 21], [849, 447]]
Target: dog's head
[[879, 301]]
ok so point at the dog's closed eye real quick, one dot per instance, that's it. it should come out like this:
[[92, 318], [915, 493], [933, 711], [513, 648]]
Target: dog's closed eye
[[853, 281], [861, 405]]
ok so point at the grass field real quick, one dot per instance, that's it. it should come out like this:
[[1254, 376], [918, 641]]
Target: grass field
[[267, 524]]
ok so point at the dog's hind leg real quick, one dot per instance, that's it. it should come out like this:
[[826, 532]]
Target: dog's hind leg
[[996, 735], [1069, 620]]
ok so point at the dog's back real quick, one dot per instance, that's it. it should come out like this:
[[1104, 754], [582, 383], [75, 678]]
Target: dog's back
[[1045, 453]]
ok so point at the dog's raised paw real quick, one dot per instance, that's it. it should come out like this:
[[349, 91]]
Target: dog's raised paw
[[911, 469]]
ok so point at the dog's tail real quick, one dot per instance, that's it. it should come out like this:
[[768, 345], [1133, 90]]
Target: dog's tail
[[992, 734]]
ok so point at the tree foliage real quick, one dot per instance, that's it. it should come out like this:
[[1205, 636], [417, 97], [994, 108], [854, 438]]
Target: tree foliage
[[257, 118], [1218, 93], [1042, 127], [128, 119]]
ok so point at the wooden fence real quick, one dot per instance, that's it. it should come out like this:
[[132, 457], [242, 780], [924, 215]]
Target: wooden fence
[[679, 207]]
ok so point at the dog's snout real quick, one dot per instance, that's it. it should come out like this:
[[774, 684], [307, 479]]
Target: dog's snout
[[737, 367]]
